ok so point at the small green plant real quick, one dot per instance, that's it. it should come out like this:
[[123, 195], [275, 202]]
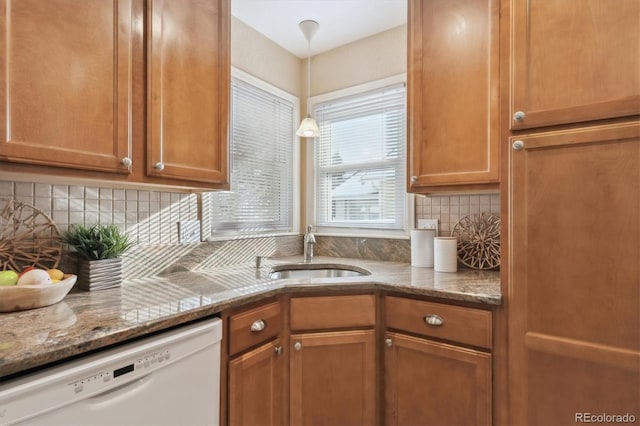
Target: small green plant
[[97, 242]]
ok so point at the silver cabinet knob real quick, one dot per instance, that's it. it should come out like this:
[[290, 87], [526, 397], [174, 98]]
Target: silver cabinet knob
[[159, 166], [297, 346], [434, 320], [126, 161], [258, 325], [414, 179], [518, 145], [278, 350], [518, 116], [388, 342]]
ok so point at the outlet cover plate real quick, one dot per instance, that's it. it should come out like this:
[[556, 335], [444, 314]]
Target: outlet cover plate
[[428, 224], [189, 231]]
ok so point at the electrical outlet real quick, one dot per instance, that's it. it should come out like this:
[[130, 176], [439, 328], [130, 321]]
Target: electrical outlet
[[189, 231], [428, 224]]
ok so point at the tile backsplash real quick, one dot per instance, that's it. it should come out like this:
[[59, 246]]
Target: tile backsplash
[[448, 209], [149, 217], [151, 220]]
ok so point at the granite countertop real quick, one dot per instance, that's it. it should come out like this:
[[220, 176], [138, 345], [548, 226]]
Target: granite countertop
[[86, 321]]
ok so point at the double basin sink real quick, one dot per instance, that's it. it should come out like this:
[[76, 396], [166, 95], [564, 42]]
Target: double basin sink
[[316, 270]]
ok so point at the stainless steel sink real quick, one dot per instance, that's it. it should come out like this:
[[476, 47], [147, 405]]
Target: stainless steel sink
[[316, 270]]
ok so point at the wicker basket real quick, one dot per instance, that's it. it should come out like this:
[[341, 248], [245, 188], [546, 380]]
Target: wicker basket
[[28, 237]]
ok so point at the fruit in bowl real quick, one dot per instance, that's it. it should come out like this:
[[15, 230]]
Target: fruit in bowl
[[8, 278], [33, 288], [34, 277]]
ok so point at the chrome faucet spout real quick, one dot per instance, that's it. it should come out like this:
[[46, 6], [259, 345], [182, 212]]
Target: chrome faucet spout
[[309, 241]]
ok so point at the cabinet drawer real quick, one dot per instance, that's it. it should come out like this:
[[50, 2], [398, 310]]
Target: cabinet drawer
[[313, 313], [254, 326], [464, 325]]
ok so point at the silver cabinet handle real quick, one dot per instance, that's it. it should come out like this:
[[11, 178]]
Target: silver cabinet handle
[[518, 145], [159, 166], [278, 350], [435, 320], [297, 346], [258, 325], [414, 179], [126, 161], [388, 342], [518, 116]]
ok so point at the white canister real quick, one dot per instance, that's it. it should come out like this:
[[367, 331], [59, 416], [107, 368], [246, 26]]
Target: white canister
[[422, 247], [445, 254]]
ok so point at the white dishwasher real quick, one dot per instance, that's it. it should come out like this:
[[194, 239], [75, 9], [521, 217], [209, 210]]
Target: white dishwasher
[[172, 378]]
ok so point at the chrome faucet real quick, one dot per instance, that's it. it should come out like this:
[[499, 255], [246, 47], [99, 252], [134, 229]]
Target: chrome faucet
[[309, 241]]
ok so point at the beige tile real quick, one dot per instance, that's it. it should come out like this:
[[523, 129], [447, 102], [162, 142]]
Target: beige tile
[[43, 190], [24, 189], [106, 194], [91, 205], [60, 204], [43, 204], [91, 193], [6, 189], [76, 192]]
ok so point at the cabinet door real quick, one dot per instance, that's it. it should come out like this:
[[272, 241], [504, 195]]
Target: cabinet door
[[256, 382], [188, 93], [574, 60], [332, 378], [65, 83], [452, 93], [430, 383], [574, 340]]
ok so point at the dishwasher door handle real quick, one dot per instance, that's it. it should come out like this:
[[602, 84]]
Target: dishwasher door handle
[[125, 390]]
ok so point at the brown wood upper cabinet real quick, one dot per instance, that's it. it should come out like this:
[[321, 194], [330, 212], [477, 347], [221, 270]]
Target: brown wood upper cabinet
[[188, 89], [65, 83], [574, 274], [452, 93], [574, 61]]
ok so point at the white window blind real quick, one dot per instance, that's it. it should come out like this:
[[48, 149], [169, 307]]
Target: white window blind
[[360, 160], [261, 164]]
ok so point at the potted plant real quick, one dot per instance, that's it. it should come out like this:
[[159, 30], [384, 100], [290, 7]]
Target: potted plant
[[99, 248]]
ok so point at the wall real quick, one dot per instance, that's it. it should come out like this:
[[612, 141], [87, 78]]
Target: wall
[[255, 54], [372, 58]]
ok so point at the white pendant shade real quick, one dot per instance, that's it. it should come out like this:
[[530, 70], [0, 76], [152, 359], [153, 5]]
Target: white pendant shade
[[308, 128]]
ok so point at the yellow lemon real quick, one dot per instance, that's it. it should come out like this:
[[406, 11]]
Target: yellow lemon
[[55, 274]]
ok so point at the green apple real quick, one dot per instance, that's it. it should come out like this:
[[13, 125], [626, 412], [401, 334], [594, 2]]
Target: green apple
[[8, 278]]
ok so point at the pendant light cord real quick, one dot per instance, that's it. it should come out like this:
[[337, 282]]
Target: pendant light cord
[[308, 74]]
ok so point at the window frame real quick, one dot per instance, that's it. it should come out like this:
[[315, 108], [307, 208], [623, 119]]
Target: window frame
[[311, 184], [294, 228]]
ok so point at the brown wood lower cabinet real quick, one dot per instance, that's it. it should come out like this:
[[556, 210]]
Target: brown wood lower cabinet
[[332, 378], [323, 360], [256, 386], [432, 383]]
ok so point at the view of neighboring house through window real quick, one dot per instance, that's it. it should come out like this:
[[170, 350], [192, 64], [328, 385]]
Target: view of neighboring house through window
[[263, 156], [360, 160]]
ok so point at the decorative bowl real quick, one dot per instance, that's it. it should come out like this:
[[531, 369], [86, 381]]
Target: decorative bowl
[[23, 297]]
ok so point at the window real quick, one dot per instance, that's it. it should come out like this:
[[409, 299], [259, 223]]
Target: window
[[360, 160], [263, 158]]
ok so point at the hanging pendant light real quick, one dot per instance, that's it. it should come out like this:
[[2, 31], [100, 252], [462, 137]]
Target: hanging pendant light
[[308, 128]]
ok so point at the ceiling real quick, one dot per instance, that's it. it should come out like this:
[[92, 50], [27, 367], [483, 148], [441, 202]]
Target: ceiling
[[341, 21]]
